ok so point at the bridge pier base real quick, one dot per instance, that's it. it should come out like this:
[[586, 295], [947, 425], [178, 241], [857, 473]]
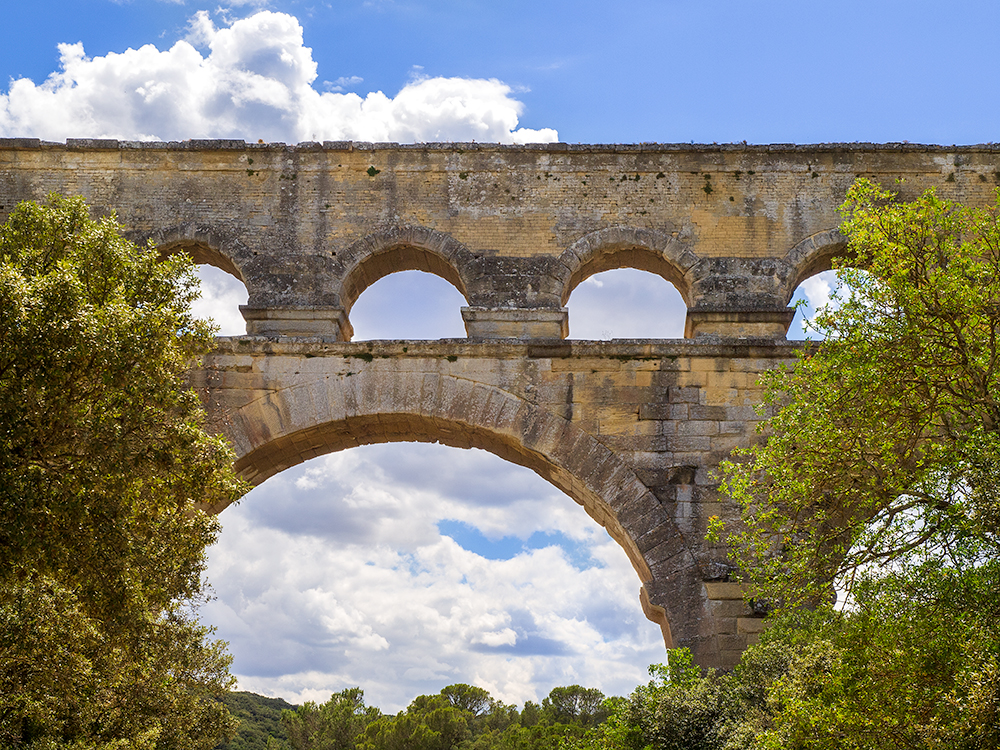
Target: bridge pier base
[[516, 323], [726, 321], [325, 322]]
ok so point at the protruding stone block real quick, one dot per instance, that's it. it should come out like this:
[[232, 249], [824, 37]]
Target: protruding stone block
[[515, 323], [732, 322], [326, 322], [657, 614], [723, 590]]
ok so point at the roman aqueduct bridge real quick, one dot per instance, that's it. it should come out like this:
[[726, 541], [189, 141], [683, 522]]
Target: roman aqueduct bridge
[[630, 429]]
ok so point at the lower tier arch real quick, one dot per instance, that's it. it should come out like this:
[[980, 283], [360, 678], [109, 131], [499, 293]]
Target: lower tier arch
[[328, 413]]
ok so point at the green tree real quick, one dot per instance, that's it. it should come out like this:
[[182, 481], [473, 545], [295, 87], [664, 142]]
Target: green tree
[[104, 465], [260, 721], [914, 664], [574, 704], [335, 725], [880, 477], [430, 722], [679, 709], [885, 441]]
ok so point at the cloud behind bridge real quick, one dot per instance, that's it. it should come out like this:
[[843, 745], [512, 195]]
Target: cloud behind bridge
[[336, 573], [255, 81], [402, 568]]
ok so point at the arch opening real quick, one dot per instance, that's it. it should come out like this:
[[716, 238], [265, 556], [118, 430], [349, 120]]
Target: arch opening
[[408, 305], [222, 294], [403, 568], [395, 258], [821, 289], [624, 247], [626, 303], [372, 403], [287, 451], [820, 263], [813, 255]]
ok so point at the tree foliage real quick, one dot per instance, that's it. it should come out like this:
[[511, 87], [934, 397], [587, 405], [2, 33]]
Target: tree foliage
[[880, 477], [335, 725], [260, 720], [885, 441], [103, 465], [460, 717], [913, 665]]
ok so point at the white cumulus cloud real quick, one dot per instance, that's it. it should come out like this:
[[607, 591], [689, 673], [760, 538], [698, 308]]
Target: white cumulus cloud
[[256, 82], [344, 580]]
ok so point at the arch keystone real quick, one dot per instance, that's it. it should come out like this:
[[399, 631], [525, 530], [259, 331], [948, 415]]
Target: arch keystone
[[628, 247]]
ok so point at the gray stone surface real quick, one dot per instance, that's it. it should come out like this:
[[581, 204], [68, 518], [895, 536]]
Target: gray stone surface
[[631, 430]]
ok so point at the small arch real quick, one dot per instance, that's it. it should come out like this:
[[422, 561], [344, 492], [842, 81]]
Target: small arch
[[411, 248], [217, 249], [205, 244], [811, 256], [408, 305], [626, 303], [821, 289], [222, 295], [628, 247]]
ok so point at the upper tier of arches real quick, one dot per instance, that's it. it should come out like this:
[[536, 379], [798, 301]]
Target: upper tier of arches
[[811, 256], [335, 282], [205, 244], [411, 248]]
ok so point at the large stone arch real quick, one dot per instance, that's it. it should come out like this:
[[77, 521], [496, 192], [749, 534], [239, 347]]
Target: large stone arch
[[628, 247], [296, 423], [407, 248], [811, 256]]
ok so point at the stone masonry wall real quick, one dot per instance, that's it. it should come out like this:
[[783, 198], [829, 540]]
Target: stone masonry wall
[[632, 430], [515, 228]]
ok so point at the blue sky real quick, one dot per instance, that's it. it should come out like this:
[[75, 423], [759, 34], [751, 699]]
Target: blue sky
[[402, 568], [631, 71]]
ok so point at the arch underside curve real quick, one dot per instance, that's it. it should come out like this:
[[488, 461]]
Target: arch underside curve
[[811, 256], [205, 244], [629, 247], [408, 248], [294, 424]]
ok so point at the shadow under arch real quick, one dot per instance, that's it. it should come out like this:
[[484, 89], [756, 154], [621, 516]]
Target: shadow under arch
[[409, 248], [205, 244], [293, 424], [811, 256], [629, 247]]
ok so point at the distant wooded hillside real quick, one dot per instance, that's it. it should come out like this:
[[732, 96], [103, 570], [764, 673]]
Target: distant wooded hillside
[[260, 718]]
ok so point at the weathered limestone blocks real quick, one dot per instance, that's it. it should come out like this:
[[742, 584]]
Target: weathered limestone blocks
[[732, 321], [325, 322], [632, 431], [516, 323], [734, 227]]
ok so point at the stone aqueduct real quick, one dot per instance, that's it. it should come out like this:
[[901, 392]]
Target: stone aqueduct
[[630, 429]]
